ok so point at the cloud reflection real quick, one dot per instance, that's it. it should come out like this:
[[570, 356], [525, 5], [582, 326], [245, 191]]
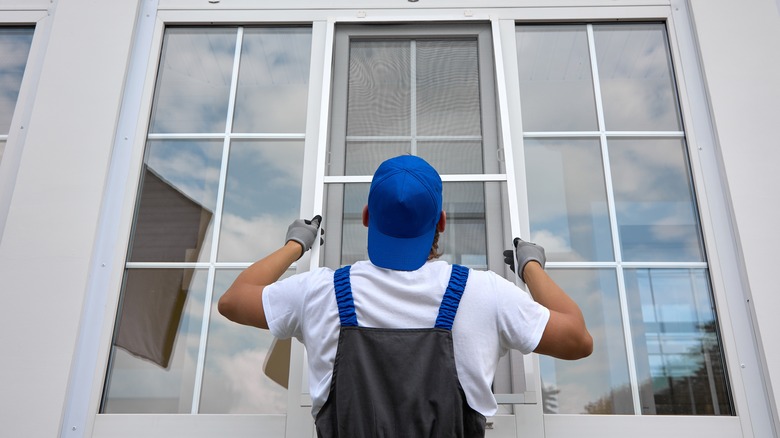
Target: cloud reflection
[[637, 83], [193, 82]]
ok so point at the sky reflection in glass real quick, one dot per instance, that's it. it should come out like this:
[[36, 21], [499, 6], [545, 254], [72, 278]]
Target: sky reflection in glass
[[556, 83], [193, 81], [233, 382], [273, 80], [635, 74], [654, 201], [262, 197], [567, 199]]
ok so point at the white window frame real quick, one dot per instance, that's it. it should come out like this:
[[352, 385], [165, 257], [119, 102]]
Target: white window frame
[[742, 358]]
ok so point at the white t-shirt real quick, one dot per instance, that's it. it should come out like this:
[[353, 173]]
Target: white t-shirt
[[494, 316]]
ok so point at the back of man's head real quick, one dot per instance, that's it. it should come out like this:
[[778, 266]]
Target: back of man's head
[[404, 207]]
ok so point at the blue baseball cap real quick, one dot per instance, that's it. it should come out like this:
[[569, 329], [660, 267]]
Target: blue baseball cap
[[404, 207]]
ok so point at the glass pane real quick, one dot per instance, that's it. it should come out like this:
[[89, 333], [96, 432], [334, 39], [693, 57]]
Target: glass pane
[[262, 197], [447, 88], [177, 201], [556, 84], [598, 384], [14, 47], [193, 81], [654, 200], [678, 352], [156, 346], [2, 149], [464, 240], [379, 90], [635, 73], [233, 381], [273, 80], [567, 200]]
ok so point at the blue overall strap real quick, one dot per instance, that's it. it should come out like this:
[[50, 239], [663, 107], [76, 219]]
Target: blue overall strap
[[343, 287], [451, 299]]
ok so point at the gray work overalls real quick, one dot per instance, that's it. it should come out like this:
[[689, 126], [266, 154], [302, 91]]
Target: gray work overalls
[[397, 383]]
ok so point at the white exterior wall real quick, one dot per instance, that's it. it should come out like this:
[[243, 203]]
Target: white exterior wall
[[47, 245], [739, 44]]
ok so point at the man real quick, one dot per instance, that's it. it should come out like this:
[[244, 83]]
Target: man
[[403, 345]]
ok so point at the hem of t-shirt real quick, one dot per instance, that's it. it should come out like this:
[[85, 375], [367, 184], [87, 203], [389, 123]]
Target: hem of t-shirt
[[270, 318], [539, 330]]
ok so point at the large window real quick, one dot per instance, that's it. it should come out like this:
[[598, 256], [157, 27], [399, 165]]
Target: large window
[[611, 198], [14, 47], [221, 180], [609, 188]]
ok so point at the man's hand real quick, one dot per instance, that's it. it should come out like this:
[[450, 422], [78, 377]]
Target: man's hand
[[305, 232], [526, 252]]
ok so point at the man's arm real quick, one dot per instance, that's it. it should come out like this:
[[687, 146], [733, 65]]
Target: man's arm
[[243, 301], [565, 336]]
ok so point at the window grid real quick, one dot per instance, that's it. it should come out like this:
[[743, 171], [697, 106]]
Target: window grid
[[618, 265], [204, 329], [632, 372], [212, 266]]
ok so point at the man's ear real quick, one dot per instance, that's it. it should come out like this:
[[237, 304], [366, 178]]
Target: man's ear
[[365, 216], [442, 222]]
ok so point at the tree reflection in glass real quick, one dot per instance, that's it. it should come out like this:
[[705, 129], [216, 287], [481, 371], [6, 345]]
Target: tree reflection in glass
[[679, 358]]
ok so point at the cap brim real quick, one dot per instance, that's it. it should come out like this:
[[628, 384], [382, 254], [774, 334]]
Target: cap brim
[[401, 254]]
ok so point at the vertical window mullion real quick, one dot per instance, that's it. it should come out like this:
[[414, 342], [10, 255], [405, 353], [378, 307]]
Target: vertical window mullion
[[413, 92], [217, 223], [627, 336]]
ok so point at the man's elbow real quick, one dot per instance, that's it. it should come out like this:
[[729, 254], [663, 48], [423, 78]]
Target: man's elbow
[[579, 347], [585, 346], [227, 307]]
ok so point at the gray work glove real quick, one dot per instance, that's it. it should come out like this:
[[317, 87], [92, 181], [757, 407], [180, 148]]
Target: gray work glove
[[526, 252], [304, 232]]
